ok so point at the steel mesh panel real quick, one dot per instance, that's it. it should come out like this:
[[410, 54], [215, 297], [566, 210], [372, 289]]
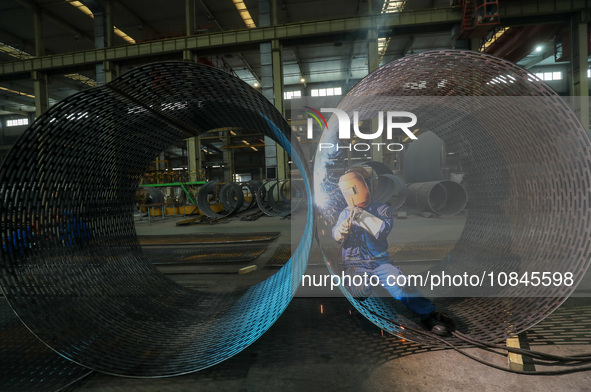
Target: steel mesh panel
[[71, 265], [527, 165]]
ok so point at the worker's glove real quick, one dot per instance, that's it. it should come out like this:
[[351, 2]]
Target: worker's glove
[[342, 230], [368, 222], [355, 212]]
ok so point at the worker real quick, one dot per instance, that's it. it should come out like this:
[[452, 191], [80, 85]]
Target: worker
[[362, 229]]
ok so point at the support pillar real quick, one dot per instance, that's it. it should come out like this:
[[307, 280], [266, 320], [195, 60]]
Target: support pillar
[[189, 28], [276, 159], [579, 65], [39, 78], [373, 56], [190, 56], [39, 42], [229, 159], [277, 59], [101, 34], [41, 93], [110, 69], [109, 22], [194, 156], [194, 143], [189, 17]]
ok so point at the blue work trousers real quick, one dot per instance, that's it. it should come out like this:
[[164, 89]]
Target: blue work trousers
[[409, 296]]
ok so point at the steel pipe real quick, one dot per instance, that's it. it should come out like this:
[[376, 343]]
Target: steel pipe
[[440, 197]]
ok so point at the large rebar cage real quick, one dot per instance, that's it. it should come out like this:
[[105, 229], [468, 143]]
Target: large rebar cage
[[72, 267], [527, 164]]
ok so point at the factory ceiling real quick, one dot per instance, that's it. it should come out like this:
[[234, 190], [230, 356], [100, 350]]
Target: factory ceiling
[[339, 60]]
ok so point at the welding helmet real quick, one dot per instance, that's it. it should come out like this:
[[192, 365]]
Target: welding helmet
[[359, 170], [354, 189]]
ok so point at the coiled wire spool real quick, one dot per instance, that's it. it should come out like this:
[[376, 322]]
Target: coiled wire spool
[[232, 198], [80, 281], [281, 204], [265, 205], [527, 167], [250, 188], [153, 195], [203, 200], [259, 186], [297, 196]]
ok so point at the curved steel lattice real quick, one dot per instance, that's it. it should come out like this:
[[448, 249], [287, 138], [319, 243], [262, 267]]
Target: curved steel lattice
[[71, 265], [527, 166], [26, 364]]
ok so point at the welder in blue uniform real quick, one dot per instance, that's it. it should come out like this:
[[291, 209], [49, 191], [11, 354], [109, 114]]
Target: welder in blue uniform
[[362, 229]]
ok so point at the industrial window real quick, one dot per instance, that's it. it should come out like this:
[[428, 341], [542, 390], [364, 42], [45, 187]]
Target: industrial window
[[17, 122], [327, 92], [292, 94], [546, 76]]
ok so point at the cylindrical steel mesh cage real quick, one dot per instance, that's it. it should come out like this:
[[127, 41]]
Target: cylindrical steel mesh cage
[[74, 272], [527, 165], [72, 267]]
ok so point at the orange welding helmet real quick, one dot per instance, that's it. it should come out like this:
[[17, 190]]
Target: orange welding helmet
[[354, 189]]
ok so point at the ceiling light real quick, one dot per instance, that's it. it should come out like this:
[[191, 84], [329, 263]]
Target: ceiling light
[[539, 49], [392, 6], [125, 37], [244, 14], [245, 142], [303, 80], [81, 7], [83, 79], [86, 11], [22, 55], [14, 52], [17, 92], [254, 148], [256, 84]]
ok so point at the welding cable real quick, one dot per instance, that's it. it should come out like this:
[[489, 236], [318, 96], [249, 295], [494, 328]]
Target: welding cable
[[564, 360], [510, 349], [544, 356]]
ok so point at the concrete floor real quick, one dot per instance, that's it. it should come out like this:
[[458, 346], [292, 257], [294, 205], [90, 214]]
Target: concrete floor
[[337, 351], [340, 350]]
